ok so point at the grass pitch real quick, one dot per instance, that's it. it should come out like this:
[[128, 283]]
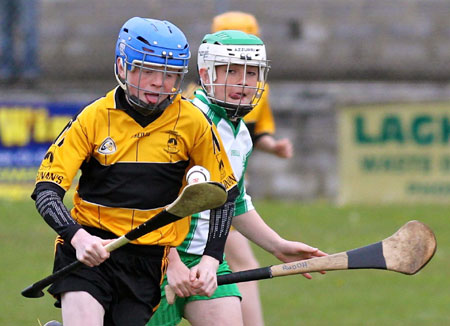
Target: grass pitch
[[355, 297]]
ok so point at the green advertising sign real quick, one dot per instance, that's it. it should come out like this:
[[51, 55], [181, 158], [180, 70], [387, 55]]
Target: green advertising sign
[[394, 153]]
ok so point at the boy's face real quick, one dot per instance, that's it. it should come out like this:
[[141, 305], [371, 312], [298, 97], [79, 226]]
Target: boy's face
[[230, 82], [152, 85]]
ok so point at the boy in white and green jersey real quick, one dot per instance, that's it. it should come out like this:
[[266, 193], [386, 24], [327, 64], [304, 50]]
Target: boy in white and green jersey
[[232, 66]]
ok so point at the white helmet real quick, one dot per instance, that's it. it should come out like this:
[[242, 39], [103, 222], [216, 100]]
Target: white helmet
[[230, 47]]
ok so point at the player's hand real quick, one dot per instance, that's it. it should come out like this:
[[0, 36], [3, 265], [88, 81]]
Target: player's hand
[[203, 276], [290, 251], [90, 250], [283, 148], [178, 278]]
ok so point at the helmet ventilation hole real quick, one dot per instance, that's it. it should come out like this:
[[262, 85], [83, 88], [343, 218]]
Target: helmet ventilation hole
[[140, 38]]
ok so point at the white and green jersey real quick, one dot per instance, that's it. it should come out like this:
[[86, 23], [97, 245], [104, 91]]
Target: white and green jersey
[[238, 146]]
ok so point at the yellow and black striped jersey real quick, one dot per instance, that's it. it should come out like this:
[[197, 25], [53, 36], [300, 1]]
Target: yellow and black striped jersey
[[131, 171], [259, 121]]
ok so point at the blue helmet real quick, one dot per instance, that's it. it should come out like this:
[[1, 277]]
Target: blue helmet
[[151, 45]]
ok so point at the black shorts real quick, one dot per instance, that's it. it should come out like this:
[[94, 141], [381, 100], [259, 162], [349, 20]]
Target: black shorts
[[127, 284]]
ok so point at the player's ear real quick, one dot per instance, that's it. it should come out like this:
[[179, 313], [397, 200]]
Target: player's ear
[[120, 67], [203, 72]]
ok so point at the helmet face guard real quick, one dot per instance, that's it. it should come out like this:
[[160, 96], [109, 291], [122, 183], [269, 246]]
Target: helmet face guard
[[149, 45], [239, 52]]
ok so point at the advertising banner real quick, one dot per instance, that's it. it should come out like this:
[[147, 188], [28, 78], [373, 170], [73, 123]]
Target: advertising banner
[[26, 132], [394, 153]]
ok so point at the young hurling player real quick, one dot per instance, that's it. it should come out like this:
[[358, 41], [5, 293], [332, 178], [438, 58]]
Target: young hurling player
[[133, 147], [259, 121], [232, 67], [261, 125]]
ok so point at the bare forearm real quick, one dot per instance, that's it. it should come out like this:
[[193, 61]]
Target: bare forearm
[[253, 227], [282, 148], [265, 143], [173, 255]]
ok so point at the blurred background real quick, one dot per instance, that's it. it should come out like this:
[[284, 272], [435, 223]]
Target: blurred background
[[334, 64], [360, 87]]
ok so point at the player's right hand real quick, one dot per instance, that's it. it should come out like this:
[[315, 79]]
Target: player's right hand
[[90, 250], [178, 278]]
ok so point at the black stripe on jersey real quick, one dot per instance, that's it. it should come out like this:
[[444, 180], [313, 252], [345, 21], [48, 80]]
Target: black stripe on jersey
[[207, 118], [58, 141], [216, 143], [251, 128], [131, 185]]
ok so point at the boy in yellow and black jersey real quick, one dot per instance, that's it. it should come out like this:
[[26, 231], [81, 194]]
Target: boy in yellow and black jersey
[[133, 147], [129, 166]]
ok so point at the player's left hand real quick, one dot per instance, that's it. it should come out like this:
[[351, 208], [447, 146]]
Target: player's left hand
[[292, 251], [203, 276]]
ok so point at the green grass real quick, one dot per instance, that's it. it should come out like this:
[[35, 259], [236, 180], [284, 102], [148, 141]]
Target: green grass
[[358, 297], [26, 254]]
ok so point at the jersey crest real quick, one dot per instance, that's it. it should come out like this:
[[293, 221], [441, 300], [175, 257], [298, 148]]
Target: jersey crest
[[108, 146], [172, 143]]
